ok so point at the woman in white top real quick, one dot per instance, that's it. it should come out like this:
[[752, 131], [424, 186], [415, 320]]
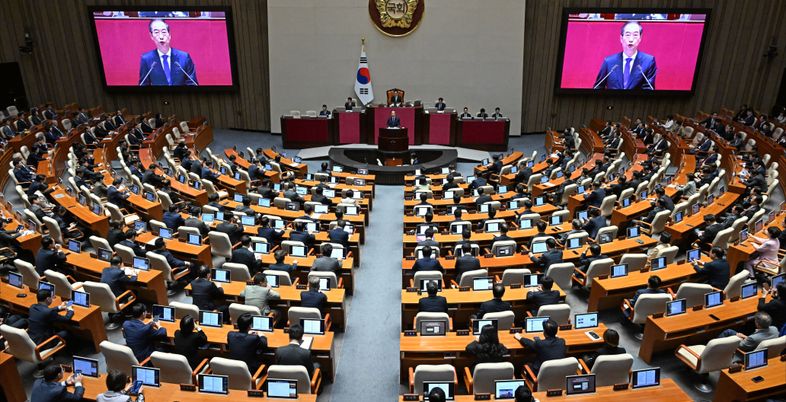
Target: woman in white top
[[767, 251], [116, 383], [348, 194]]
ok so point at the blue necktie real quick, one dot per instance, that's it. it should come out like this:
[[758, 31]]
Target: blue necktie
[[625, 73], [168, 73]]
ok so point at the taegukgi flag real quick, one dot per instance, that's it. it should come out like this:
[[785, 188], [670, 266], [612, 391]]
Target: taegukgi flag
[[363, 79]]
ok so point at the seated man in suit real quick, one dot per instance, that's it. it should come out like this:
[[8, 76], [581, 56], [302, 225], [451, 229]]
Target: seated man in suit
[[764, 331], [611, 341], [313, 297], [497, 113], [52, 387], [232, 228], [272, 235], [711, 229], [396, 99], [245, 346], [465, 114], [466, 262], [324, 112], [42, 318], [116, 193], [172, 218], [550, 348], [165, 65], [496, 304], [482, 114], [427, 263], [244, 255], [432, 303], [440, 105], [280, 265], [631, 68], [716, 272], [205, 292], [595, 223], [326, 263], [141, 337], [595, 198], [193, 221], [653, 287], [115, 277], [595, 254], [553, 255], [339, 235], [320, 197], [49, 257], [174, 262], [293, 354], [393, 120], [543, 296], [349, 104], [300, 234]]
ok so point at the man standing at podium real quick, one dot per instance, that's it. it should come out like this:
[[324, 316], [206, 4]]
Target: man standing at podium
[[440, 105], [393, 120]]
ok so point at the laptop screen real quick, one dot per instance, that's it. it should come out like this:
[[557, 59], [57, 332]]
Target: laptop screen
[[534, 324], [539, 247], [213, 384], [446, 387], [85, 366], [574, 243], [238, 197], [506, 389], [492, 227], [247, 220], [539, 201], [676, 307], [262, 323], [165, 233], [505, 251], [645, 378], [525, 224], [74, 246], [433, 328], [482, 283], [147, 375], [46, 286], [749, 290], [626, 202], [313, 327], [261, 247], [633, 231], [587, 320], [678, 217], [272, 280], [164, 313], [424, 283], [619, 270], [150, 196], [777, 280], [194, 239], [81, 299], [298, 251], [351, 210], [694, 255], [264, 202], [210, 318], [320, 209], [579, 384], [477, 325], [582, 215], [713, 299], [281, 389], [658, 263], [141, 263], [755, 359], [555, 220], [15, 279], [104, 254], [221, 275], [532, 280]]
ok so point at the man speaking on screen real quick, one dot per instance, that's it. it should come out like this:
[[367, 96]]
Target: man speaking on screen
[[629, 69], [165, 65]]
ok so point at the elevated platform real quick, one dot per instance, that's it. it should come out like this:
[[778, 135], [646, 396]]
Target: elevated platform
[[360, 157]]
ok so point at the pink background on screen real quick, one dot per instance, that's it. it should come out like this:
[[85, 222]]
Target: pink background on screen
[[123, 41], [675, 46]]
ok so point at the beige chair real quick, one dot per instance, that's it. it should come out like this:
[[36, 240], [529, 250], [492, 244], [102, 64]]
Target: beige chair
[[607, 205], [101, 295], [220, 247], [424, 316], [599, 267], [715, 356], [461, 227], [305, 384], [125, 253], [184, 309], [19, 345], [648, 304], [774, 346], [175, 368], [296, 313], [552, 374], [30, 277], [330, 276], [557, 312], [693, 293], [657, 225], [499, 244], [159, 263], [430, 372], [505, 319], [99, 242], [64, 284], [512, 276], [486, 224], [483, 377], [119, 357], [611, 369], [287, 246], [118, 215], [635, 261], [237, 370], [426, 275], [283, 276], [669, 252], [734, 288], [238, 272], [468, 277], [237, 309], [606, 234], [211, 189]]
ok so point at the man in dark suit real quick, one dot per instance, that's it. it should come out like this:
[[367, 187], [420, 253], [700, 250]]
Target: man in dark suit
[[115, 277], [23, 173], [543, 296], [204, 292], [141, 337], [595, 198], [115, 193], [427, 263], [611, 341], [545, 349], [272, 235], [466, 262], [339, 235], [280, 265], [711, 229], [594, 254], [349, 104], [432, 303], [300, 234], [715, 272], [313, 297], [629, 69], [393, 120], [49, 257], [553, 255], [293, 354], [320, 197], [165, 65], [245, 346], [129, 240], [595, 223], [440, 105], [653, 287], [244, 255], [52, 388], [172, 218], [233, 229], [42, 318], [496, 304], [396, 99], [193, 221], [776, 307]]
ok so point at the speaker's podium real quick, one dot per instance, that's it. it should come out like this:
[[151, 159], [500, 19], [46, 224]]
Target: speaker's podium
[[393, 142]]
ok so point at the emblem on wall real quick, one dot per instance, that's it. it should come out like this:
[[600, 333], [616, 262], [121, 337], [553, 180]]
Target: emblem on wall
[[396, 17]]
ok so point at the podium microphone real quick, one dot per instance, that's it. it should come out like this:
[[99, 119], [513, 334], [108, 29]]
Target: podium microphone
[[152, 66], [606, 76], [645, 77], [184, 72]]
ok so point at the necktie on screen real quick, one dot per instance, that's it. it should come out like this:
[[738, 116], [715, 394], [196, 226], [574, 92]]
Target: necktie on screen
[[168, 73], [625, 73]]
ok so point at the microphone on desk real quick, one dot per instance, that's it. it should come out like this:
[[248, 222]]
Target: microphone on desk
[[184, 72], [614, 67], [150, 70], [645, 77]]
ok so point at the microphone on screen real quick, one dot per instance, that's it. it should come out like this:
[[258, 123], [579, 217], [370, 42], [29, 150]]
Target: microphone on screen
[[150, 70], [184, 72], [614, 67], [645, 77]]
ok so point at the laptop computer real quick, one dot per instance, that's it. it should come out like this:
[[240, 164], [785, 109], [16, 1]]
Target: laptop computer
[[676, 307], [262, 323], [532, 280], [477, 325], [485, 283], [141, 263], [424, 283], [213, 384], [247, 220], [221, 275], [15, 280], [446, 387], [579, 384], [645, 378], [149, 376], [74, 246], [755, 359], [210, 318], [194, 239], [534, 324], [633, 231], [749, 290], [104, 254], [163, 313], [539, 247], [506, 389], [166, 233], [81, 299], [312, 327], [658, 264], [433, 328], [85, 366], [693, 255], [586, 320], [713, 299], [278, 388]]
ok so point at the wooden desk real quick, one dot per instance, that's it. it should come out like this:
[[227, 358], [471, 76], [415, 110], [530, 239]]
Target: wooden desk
[[667, 391], [513, 157], [739, 386], [483, 239], [441, 349], [300, 169], [290, 296], [462, 304], [304, 266], [200, 253], [509, 215], [30, 242], [96, 223], [12, 387], [742, 252], [667, 333], [680, 230], [319, 237], [172, 392], [86, 323], [150, 285]]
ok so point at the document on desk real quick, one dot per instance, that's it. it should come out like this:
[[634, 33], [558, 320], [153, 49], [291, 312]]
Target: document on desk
[[306, 343]]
